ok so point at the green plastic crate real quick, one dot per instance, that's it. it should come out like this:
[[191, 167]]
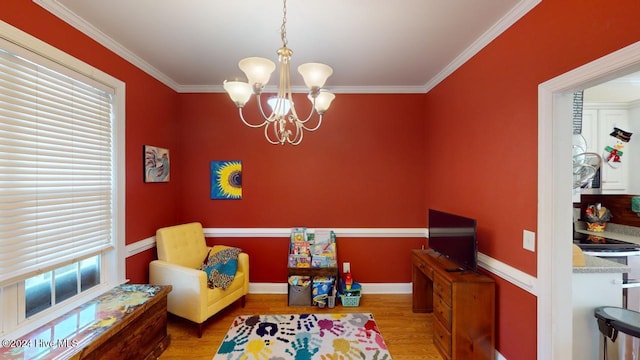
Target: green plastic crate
[[352, 300]]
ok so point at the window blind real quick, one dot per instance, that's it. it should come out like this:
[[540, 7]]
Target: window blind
[[56, 168]]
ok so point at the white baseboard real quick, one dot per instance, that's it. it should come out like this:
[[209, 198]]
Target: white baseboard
[[367, 288], [267, 288], [387, 288]]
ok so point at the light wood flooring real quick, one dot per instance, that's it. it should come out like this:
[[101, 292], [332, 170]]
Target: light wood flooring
[[408, 335]]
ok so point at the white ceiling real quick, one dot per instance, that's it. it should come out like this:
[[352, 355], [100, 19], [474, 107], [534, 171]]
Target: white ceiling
[[397, 46], [625, 89]]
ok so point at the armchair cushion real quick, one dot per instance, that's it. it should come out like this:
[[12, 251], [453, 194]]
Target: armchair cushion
[[221, 267], [182, 245]]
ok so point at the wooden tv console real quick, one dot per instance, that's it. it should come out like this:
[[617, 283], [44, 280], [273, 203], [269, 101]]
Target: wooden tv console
[[463, 303]]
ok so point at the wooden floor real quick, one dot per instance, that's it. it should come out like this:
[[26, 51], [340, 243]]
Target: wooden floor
[[407, 334]]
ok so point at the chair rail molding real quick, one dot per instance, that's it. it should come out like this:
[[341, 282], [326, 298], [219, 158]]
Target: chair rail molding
[[512, 275], [340, 232]]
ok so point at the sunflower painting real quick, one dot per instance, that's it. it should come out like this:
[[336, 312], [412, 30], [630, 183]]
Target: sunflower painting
[[226, 180]]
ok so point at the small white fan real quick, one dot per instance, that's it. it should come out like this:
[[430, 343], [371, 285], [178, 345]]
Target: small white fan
[[585, 168], [585, 164]]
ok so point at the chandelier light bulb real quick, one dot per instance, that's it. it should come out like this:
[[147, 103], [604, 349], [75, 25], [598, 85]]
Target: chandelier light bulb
[[279, 106]]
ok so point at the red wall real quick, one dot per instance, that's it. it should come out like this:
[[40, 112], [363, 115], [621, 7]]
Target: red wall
[[362, 168], [482, 136], [151, 118], [378, 161]]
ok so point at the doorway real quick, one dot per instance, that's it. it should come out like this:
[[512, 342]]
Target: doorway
[[554, 255]]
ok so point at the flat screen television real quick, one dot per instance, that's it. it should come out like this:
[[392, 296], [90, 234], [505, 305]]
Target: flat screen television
[[454, 237]]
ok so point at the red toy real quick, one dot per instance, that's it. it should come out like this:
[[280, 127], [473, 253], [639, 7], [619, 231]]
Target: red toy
[[348, 281]]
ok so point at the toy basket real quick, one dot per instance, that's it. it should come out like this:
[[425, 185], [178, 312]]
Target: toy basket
[[351, 300]]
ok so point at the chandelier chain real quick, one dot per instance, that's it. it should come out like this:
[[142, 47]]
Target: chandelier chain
[[283, 27]]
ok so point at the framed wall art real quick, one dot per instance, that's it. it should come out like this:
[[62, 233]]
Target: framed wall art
[[156, 164], [226, 180]]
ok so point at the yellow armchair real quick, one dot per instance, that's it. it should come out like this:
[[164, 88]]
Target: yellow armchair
[[181, 251]]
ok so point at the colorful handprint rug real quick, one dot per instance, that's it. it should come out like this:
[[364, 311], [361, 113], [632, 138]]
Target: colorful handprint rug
[[303, 337]]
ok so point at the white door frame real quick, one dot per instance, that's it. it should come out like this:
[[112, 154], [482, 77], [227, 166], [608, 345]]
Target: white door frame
[[554, 271]]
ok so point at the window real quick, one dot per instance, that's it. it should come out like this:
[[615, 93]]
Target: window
[[53, 287], [61, 182]]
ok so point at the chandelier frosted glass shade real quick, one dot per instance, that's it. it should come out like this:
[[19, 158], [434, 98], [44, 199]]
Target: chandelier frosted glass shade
[[315, 74], [258, 70], [282, 125], [240, 92], [323, 101]]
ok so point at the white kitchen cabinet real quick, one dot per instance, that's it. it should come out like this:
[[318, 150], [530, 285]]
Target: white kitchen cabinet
[[590, 129], [597, 125]]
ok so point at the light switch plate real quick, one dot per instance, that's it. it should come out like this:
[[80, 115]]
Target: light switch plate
[[346, 267], [529, 240]]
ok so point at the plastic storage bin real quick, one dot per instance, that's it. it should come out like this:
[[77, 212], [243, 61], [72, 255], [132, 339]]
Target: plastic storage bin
[[350, 300]]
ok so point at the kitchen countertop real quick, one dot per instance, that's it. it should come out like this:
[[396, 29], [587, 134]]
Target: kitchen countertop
[[596, 264], [614, 231], [599, 265]]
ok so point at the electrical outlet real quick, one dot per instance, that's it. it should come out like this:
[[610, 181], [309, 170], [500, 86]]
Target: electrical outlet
[[529, 240], [346, 267]]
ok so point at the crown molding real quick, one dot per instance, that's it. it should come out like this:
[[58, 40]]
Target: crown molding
[[302, 90], [71, 18], [498, 28], [55, 8], [68, 16], [611, 105]]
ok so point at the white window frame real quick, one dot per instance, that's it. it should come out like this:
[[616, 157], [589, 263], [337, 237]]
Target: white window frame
[[12, 324]]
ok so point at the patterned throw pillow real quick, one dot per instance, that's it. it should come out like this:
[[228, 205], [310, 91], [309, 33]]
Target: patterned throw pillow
[[221, 267]]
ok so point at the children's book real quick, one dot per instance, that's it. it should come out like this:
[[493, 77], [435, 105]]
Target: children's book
[[300, 248], [298, 234]]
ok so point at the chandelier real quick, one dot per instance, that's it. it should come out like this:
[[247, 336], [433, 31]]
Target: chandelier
[[283, 125]]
